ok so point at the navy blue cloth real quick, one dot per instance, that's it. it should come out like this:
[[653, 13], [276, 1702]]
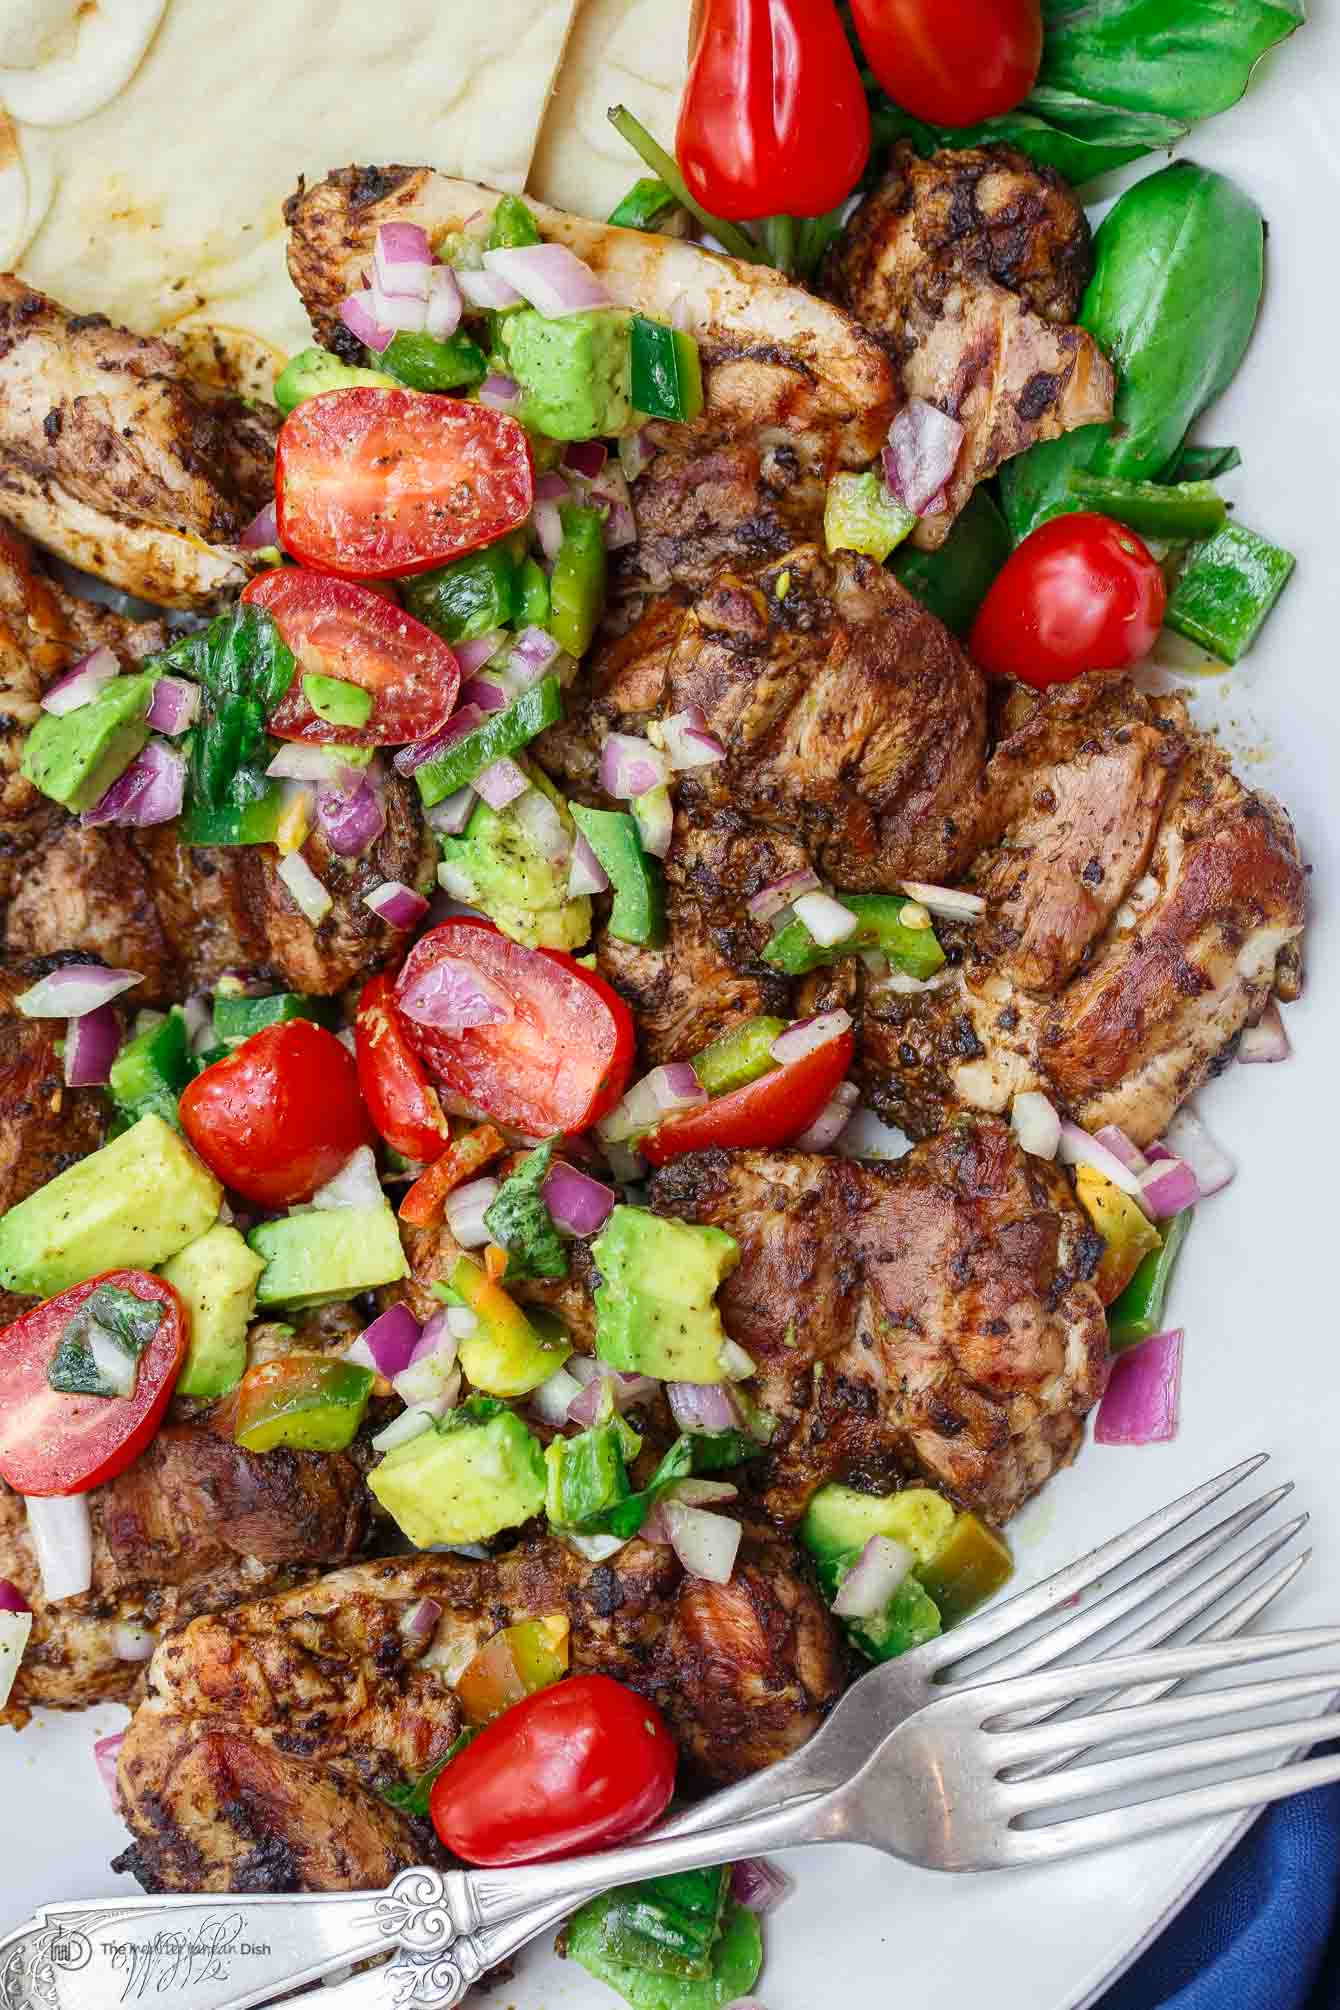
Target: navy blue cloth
[[1263, 1933]]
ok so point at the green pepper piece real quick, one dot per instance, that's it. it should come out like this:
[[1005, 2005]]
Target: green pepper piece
[[151, 1071], [861, 515], [468, 597], [970, 1566], [638, 913], [238, 1018], [644, 206], [1228, 586], [1138, 1313], [247, 823], [1155, 509], [532, 596], [424, 363], [667, 380], [955, 580], [914, 950], [501, 733], [336, 700], [512, 226], [738, 1057], [577, 583]]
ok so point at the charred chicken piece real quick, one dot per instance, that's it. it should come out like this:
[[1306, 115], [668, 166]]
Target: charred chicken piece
[[112, 458], [254, 1762], [968, 267], [927, 1321]]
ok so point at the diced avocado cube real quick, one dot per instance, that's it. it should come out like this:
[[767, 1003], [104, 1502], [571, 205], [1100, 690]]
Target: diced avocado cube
[[576, 372], [312, 371], [128, 1206], [464, 1480], [336, 700], [215, 1277], [497, 866], [74, 757], [327, 1253], [656, 1310]]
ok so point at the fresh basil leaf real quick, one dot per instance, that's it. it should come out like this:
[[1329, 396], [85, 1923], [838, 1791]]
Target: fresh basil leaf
[[519, 1221], [1186, 59], [411, 1797]]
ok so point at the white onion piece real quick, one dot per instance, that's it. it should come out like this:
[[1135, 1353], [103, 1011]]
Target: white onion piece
[[356, 1184], [873, 1578], [806, 1036], [706, 1544], [309, 895], [827, 920], [63, 1539], [1035, 1123], [465, 1210], [549, 276], [1077, 1148], [1267, 1039], [110, 42], [14, 1630], [945, 900], [1187, 1138]]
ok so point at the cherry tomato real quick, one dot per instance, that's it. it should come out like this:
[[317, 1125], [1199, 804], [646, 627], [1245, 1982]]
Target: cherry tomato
[[375, 484], [341, 630], [51, 1443], [952, 62], [1080, 593], [280, 1116], [774, 1110], [574, 1767], [401, 1101], [774, 116], [553, 1044]]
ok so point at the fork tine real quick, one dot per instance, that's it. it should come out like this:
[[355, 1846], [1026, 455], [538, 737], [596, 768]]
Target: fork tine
[[1000, 1620], [1085, 1833], [1148, 1719], [1086, 1678], [1115, 1605], [1080, 1783]]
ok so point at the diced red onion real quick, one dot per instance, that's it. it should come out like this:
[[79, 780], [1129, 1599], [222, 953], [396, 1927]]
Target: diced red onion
[[827, 920], [176, 701], [806, 1036], [313, 901], [949, 901], [501, 783], [588, 875], [630, 766], [759, 1887], [534, 652], [552, 1399], [92, 1043], [1143, 1397], [655, 815], [397, 903], [543, 825], [609, 490], [350, 822], [132, 1641], [1035, 1123], [106, 1752], [636, 452], [402, 259], [873, 1578], [419, 1624], [82, 681], [1122, 1147], [356, 1184], [11, 1598], [1187, 1138], [452, 997], [359, 318], [767, 904], [149, 792], [924, 446], [462, 721], [831, 1121], [703, 1406], [549, 276], [488, 290], [585, 457], [1077, 1148], [263, 530], [576, 1201], [73, 990], [413, 1421], [1168, 1187], [706, 1544], [445, 305], [474, 654], [62, 1536], [391, 1340], [453, 813], [1267, 1039], [687, 742], [465, 1210]]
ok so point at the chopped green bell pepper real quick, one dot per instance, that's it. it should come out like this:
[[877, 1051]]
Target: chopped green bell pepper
[[738, 1057], [1227, 588], [667, 371], [646, 204], [532, 596], [1155, 509], [501, 733], [1138, 1313], [955, 580], [913, 950], [513, 225], [638, 912], [336, 700], [589, 1473], [423, 363], [861, 515], [577, 583], [468, 597], [237, 1018], [150, 1072]]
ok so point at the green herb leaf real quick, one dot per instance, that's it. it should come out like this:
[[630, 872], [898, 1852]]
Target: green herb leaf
[[520, 1222]]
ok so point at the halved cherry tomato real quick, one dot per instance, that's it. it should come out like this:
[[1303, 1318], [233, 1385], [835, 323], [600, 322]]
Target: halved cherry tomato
[[774, 1110], [402, 1102], [375, 484], [341, 630], [52, 1443], [553, 1044], [280, 1115], [952, 62], [1081, 593], [573, 1767]]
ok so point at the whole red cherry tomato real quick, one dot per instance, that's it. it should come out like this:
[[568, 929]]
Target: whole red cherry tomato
[[403, 1103], [771, 1111], [952, 62], [582, 1764], [280, 1116], [1080, 593], [774, 117]]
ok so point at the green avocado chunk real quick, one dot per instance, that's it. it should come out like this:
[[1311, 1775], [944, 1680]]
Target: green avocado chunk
[[215, 1278], [575, 372], [312, 371], [656, 1310], [328, 1253], [477, 1471], [128, 1206], [74, 757]]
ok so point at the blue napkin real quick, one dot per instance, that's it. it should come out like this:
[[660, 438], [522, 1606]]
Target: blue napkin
[[1264, 1933]]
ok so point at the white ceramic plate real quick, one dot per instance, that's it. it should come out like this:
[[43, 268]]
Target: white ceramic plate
[[1253, 1286]]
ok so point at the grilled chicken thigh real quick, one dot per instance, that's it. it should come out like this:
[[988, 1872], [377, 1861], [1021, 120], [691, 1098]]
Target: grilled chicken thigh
[[112, 458], [929, 1320], [254, 1761], [968, 267]]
